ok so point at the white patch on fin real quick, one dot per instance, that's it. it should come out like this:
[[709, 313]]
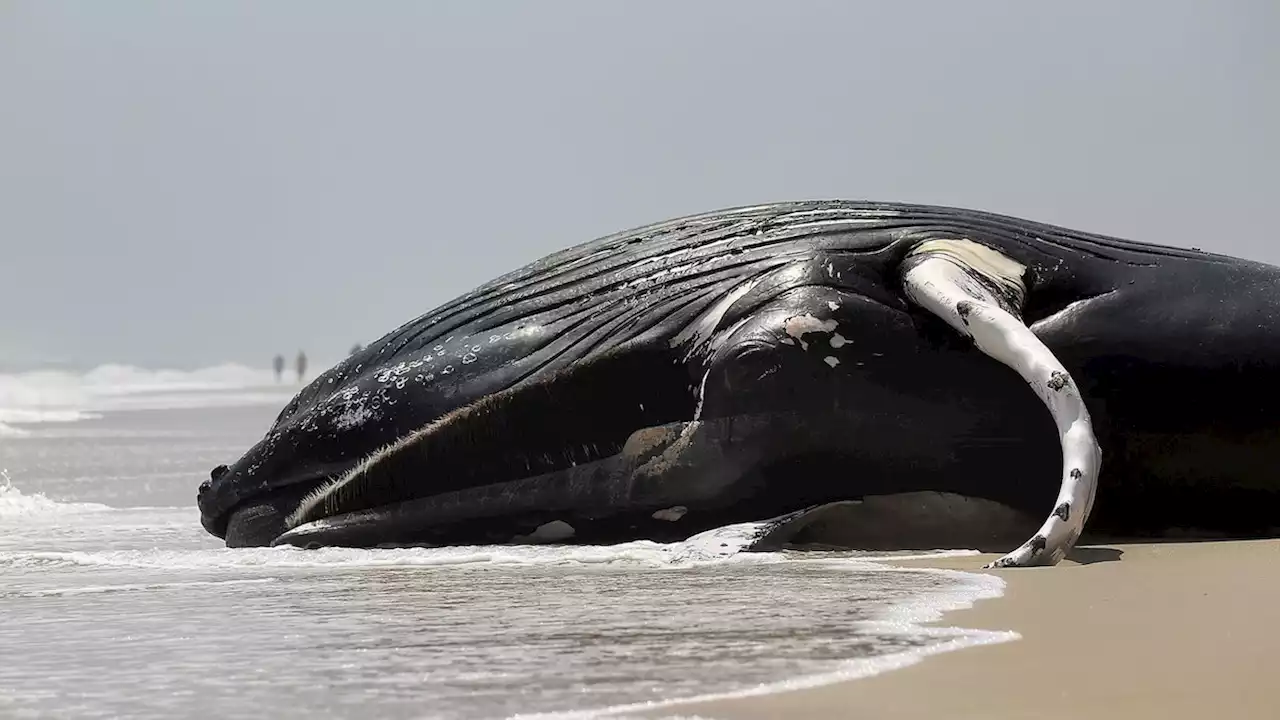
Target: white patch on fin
[[1067, 313], [832, 361], [943, 283], [670, 514], [551, 532], [719, 543], [996, 267]]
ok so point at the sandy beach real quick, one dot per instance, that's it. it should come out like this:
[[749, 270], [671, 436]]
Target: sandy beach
[[1117, 630]]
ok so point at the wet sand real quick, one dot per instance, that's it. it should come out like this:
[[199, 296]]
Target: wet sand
[[1119, 630]]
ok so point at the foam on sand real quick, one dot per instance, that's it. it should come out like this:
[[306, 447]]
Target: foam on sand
[[911, 618], [60, 551]]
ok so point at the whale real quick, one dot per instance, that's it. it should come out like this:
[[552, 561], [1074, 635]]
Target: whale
[[796, 365]]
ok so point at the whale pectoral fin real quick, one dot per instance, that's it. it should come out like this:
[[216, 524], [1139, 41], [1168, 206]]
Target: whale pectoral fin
[[771, 535], [979, 292]]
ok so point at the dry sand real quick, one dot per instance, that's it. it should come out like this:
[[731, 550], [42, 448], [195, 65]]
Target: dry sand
[[1129, 630]]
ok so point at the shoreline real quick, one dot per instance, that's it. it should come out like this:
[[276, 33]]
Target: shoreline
[[924, 617], [1160, 629]]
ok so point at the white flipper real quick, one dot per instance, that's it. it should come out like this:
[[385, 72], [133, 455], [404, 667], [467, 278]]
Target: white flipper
[[979, 292]]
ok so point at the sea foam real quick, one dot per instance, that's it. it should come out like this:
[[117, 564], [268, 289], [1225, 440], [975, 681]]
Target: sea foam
[[915, 616], [16, 504], [59, 396], [159, 557]]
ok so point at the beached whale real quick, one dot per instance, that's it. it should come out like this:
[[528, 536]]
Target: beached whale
[[750, 363]]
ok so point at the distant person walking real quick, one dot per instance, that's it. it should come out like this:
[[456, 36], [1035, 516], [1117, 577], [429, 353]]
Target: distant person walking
[[278, 366], [302, 365]]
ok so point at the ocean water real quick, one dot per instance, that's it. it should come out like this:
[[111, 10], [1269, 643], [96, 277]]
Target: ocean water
[[116, 603]]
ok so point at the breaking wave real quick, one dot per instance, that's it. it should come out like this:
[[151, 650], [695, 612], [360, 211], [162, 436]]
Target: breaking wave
[[16, 504], [59, 396]]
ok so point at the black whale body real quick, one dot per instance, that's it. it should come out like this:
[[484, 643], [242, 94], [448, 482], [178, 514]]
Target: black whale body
[[566, 390]]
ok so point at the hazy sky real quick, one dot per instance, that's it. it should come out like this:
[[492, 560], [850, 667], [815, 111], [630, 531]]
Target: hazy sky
[[183, 184]]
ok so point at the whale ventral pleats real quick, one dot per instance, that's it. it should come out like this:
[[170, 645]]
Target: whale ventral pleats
[[531, 429]]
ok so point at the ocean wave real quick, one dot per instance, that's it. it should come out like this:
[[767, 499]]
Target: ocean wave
[[718, 545], [16, 504], [913, 616], [59, 396], [29, 416], [9, 431], [637, 554], [132, 587]]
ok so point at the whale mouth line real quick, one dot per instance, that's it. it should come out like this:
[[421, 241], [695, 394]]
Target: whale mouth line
[[597, 499], [520, 438], [322, 526], [492, 512], [259, 514], [565, 455]]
